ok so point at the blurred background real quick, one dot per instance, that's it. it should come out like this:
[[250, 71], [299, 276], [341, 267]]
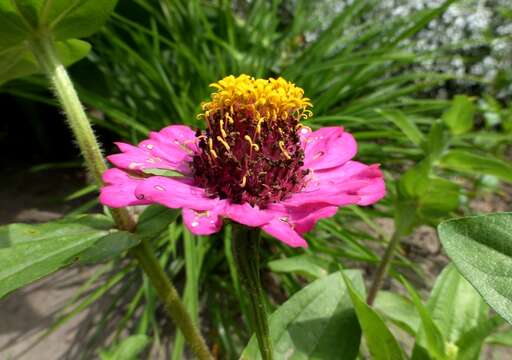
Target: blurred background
[[388, 71]]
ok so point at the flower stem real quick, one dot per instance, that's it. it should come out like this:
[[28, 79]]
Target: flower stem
[[382, 270], [44, 51], [170, 297], [246, 242]]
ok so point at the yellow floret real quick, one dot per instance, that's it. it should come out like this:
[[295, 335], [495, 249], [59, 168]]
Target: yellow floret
[[270, 99]]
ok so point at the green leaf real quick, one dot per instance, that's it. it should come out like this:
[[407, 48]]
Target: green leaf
[[29, 252], [471, 342], [481, 248], [305, 265], [64, 19], [473, 163], [405, 124], [18, 61], [459, 117], [12, 28], [399, 310], [429, 335], [415, 180], [154, 220], [501, 338], [318, 322], [108, 247], [128, 349], [381, 342], [438, 199], [77, 18], [437, 140], [454, 305]]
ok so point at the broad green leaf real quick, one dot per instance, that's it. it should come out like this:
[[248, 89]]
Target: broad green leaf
[[108, 247], [64, 19], [429, 336], [154, 220], [16, 234], [76, 18], [415, 180], [459, 117], [454, 304], [302, 264], [381, 342], [473, 163], [437, 140], [481, 248], [29, 252], [405, 124], [128, 349], [438, 199], [12, 28], [399, 310], [318, 322], [18, 61]]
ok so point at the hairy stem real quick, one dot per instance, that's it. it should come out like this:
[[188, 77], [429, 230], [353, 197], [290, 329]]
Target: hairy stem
[[246, 248], [171, 299], [44, 50]]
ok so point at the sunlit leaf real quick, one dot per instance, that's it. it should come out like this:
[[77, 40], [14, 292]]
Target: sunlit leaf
[[459, 117], [381, 342], [301, 264], [481, 248], [474, 163], [18, 61], [128, 349], [29, 252], [318, 322]]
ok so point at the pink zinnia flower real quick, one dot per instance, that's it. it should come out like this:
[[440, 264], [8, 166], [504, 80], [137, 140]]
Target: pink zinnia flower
[[255, 164]]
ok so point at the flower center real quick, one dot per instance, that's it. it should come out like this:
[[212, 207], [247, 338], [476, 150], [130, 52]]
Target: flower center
[[250, 150]]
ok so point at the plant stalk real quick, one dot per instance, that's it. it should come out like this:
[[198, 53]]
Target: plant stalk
[[246, 242], [44, 51], [173, 304], [382, 270]]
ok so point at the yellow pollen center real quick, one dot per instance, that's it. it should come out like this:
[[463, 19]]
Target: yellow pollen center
[[268, 99]]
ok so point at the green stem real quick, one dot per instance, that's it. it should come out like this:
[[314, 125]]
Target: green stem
[[246, 248], [382, 270], [44, 50], [405, 217], [171, 299]]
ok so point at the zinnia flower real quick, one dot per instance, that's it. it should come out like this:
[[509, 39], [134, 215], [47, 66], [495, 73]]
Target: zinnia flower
[[255, 163]]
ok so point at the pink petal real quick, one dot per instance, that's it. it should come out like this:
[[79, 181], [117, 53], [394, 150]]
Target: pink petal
[[247, 214], [136, 158], [283, 231], [322, 194], [351, 183], [328, 147], [172, 148], [305, 217], [204, 222], [179, 135], [174, 155], [119, 190], [174, 193]]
